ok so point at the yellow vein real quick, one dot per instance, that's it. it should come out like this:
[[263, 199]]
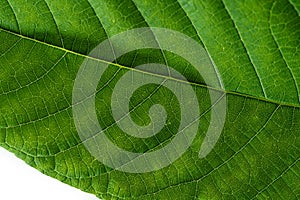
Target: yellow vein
[[153, 74]]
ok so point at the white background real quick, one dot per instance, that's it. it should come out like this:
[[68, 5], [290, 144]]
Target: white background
[[20, 181]]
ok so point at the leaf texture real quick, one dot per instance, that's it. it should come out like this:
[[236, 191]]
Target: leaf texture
[[255, 46]]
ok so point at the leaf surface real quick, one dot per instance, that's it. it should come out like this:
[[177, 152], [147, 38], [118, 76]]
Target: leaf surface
[[255, 46]]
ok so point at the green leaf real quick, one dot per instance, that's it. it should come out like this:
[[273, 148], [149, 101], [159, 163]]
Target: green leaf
[[255, 46]]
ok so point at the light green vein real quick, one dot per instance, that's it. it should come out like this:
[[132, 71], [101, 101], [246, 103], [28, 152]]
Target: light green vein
[[153, 74]]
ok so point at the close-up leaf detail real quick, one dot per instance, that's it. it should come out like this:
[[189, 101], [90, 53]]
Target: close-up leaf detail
[[253, 45]]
